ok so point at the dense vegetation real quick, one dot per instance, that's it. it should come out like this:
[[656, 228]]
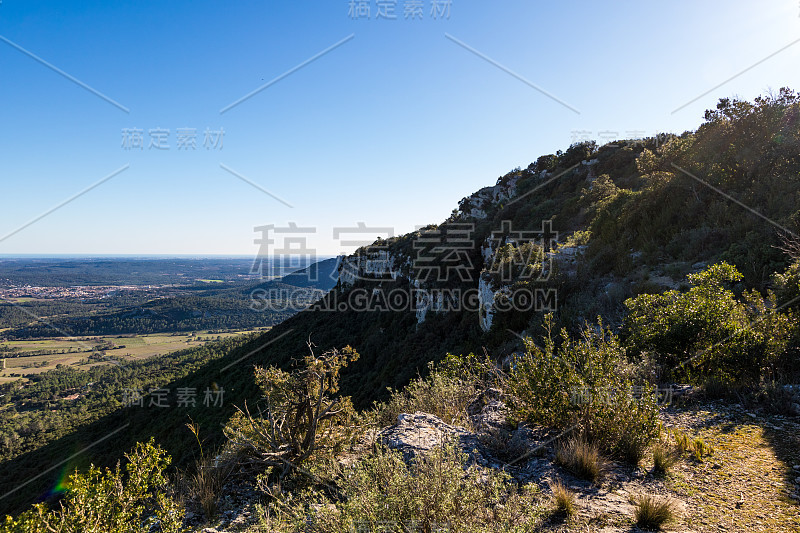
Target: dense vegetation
[[180, 313], [35, 414], [297, 429]]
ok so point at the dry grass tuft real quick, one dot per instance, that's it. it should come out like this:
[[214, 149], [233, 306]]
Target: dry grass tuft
[[652, 512], [582, 459], [563, 498], [664, 458], [205, 486]]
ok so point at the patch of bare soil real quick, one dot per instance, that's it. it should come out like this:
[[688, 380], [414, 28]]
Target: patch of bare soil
[[748, 483]]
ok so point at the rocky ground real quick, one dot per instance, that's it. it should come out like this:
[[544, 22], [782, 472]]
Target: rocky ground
[[751, 481]]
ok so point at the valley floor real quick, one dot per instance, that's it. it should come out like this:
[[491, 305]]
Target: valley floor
[[40, 355]]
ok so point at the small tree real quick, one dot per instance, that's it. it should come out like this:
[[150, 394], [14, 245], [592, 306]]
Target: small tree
[[299, 416]]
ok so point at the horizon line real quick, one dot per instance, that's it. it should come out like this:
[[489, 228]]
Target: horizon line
[[146, 256]]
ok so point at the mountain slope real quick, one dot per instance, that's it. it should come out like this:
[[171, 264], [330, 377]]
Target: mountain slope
[[576, 232]]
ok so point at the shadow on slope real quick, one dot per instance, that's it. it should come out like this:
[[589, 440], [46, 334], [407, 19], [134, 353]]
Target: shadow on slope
[[393, 349]]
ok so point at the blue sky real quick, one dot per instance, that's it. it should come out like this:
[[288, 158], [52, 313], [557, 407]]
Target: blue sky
[[390, 128]]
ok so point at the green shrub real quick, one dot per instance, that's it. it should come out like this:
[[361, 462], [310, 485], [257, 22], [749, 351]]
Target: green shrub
[[110, 501], [300, 419], [445, 392], [707, 335], [516, 263], [383, 493], [585, 385]]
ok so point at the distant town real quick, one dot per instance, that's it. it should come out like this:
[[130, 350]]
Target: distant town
[[81, 292]]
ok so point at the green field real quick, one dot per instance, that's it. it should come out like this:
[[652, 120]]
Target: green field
[[28, 360]]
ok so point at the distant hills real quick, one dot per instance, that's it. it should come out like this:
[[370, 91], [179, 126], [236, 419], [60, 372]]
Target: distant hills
[[233, 301]]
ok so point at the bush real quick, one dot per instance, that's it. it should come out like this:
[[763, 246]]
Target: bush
[[585, 386], [300, 418], [132, 500], [706, 335], [446, 392], [516, 263], [383, 493]]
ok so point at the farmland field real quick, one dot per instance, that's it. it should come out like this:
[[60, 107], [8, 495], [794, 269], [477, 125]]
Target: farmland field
[[36, 356]]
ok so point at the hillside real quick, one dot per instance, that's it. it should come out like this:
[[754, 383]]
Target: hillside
[[577, 234], [39, 428]]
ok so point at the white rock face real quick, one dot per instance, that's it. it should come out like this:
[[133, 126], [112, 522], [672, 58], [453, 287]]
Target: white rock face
[[477, 213], [418, 433], [380, 264], [486, 299], [475, 206], [571, 252], [433, 300], [422, 302], [487, 252], [383, 265], [566, 257]]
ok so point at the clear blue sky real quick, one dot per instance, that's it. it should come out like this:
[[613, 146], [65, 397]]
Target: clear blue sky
[[391, 128]]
